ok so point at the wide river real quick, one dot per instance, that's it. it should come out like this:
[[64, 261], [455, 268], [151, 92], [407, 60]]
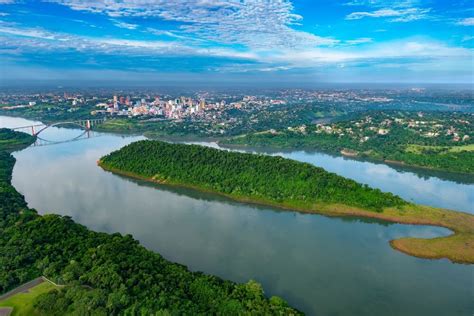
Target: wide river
[[321, 265]]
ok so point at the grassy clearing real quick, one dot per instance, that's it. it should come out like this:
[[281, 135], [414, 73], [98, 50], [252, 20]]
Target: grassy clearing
[[419, 149], [115, 124], [456, 149], [22, 303], [458, 247]]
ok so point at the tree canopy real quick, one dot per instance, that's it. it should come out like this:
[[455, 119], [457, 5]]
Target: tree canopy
[[248, 176]]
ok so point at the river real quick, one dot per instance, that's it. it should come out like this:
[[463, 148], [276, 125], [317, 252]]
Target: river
[[321, 265]]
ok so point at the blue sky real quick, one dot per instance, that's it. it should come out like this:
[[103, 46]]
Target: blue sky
[[237, 40]]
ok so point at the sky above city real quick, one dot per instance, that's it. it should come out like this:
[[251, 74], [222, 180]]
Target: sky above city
[[298, 42]]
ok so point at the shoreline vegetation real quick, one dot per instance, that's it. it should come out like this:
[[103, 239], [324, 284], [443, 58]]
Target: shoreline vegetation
[[243, 142], [274, 140], [105, 274], [159, 162]]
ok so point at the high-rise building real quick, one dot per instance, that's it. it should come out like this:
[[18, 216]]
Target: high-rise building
[[116, 106]]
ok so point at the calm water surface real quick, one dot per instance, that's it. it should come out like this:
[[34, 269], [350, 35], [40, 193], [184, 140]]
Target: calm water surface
[[323, 266]]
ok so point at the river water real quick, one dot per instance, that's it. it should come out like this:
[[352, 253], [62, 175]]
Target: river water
[[321, 265]]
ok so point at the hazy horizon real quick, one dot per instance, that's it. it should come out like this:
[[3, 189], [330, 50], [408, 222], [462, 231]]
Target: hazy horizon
[[219, 85]]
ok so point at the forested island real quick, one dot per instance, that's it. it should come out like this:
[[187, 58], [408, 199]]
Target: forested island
[[105, 274], [435, 140], [290, 185]]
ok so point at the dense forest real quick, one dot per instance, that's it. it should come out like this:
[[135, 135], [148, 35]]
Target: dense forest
[[105, 274], [10, 141], [252, 177], [437, 140]]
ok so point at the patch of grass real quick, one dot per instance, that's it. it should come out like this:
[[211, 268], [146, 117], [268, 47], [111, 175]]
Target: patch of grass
[[419, 149], [22, 303], [458, 247], [456, 149]]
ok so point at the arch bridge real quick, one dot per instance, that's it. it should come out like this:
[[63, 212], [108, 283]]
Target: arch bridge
[[35, 130]]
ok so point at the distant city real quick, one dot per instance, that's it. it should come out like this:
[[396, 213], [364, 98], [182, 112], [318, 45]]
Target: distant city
[[223, 112]]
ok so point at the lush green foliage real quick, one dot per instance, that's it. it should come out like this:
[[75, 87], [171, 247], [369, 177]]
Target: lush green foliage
[[107, 274], [366, 141], [255, 177], [10, 140]]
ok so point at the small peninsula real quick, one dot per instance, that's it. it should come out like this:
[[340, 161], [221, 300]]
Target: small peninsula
[[291, 185]]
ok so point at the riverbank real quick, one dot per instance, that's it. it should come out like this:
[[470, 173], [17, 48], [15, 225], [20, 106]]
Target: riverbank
[[35, 240], [458, 247], [226, 142]]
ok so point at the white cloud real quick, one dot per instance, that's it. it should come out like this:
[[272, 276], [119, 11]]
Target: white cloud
[[124, 25], [466, 22], [35, 39], [256, 24], [467, 38], [30, 32], [172, 34], [358, 41], [389, 52], [264, 28], [402, 15], [384, 3]]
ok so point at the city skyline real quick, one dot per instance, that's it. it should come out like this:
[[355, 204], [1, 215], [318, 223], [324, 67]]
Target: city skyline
[[232, 42]]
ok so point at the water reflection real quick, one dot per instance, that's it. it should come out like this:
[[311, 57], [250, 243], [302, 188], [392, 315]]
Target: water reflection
[[210, 197], [422, 173], [426, 190], [324, 266]]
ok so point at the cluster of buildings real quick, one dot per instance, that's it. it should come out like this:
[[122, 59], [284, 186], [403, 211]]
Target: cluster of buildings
[[367, 127], [172, 108], [431, 128]]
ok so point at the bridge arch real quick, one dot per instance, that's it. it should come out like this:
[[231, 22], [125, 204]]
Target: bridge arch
[[85, 126], [85, 134]]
